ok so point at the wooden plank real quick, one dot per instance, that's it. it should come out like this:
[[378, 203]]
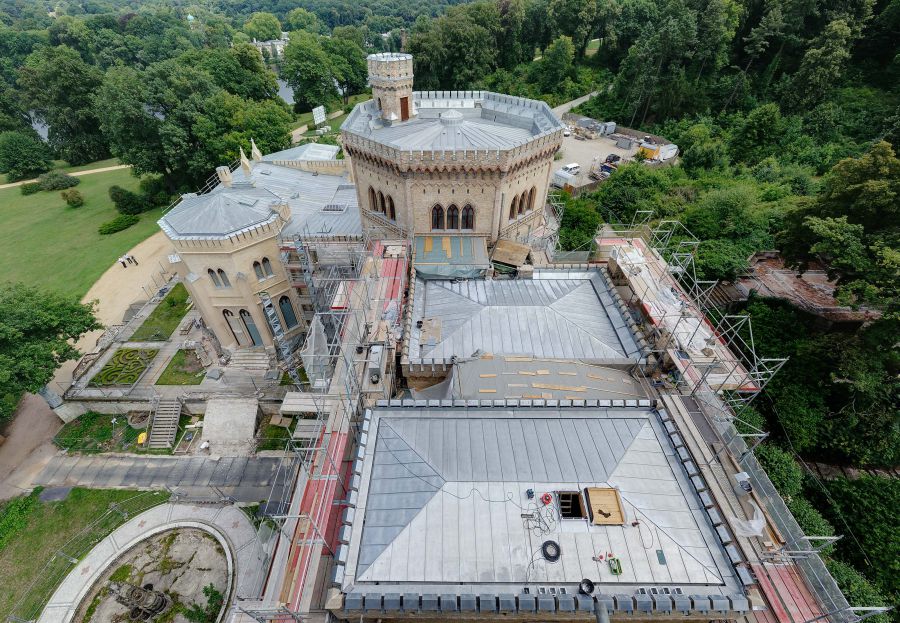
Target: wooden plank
[[771, 594]]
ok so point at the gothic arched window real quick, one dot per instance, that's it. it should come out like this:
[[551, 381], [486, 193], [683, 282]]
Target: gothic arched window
[[468, 217], [437, 217], [452, 217]]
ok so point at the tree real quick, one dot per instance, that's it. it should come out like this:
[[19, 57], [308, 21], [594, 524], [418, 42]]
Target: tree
[[575, 19], [452, 52], [60, 88], [263, 27], [579, 226], [822, 66], [23, 155], [307, 69], [758, 136], [238, 69], [853, 225], [555, 65], [512, 50], [348, 65], [37, 330], [301, 19], [174, 120]]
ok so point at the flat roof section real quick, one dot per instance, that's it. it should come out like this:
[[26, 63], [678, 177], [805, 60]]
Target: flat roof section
[[446, 257], [555, 315], [529, 378], [443, 504]]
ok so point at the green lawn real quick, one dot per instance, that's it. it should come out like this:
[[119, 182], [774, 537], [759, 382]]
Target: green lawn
[[274, 437], [39, 530], [183, 369], [592, 48], [163, 320], [45, 243], [95, 432]]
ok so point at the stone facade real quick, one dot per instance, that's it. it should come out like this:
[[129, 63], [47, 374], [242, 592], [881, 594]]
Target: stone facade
[[498, 193], [391, 77], [226, 276]]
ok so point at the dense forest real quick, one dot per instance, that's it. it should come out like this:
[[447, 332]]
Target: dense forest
[[787, 115]]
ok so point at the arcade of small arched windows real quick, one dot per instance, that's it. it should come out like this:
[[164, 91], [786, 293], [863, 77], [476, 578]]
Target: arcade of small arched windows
[[383, 204], [453, 219], [523, 203]]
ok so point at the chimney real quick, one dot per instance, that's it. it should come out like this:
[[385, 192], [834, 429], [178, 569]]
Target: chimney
[[245, 164], [254, 151], [391, 77], [224, 174]]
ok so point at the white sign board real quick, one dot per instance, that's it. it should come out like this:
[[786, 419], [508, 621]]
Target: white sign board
[[319, 115]]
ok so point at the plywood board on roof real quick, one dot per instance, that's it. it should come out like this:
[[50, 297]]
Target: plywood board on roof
[[510, 253], [603, 501]]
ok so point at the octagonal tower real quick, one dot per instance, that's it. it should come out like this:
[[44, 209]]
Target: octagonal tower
[[391, 77]]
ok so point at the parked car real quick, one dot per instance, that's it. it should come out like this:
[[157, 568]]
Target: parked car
[[613, 158], [567, 132], [573, 168]]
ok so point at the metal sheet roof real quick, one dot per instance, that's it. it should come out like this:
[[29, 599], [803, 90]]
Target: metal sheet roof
[[223, 212], [557, 316], [457, 120], [306, 151], [247, 203], [443, 492]]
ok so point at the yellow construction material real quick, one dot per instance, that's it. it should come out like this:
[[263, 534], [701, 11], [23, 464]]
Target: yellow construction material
[[561, 388]]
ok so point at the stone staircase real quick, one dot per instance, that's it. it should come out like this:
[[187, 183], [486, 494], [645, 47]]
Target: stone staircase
[[250, 360], [164, 423]]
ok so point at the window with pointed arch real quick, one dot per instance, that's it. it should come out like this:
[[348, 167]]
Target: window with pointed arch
[[468, 217], [258, 271], [287, 312], [437, 218], [224, 279], [452, 217], [381, 202], [267, 267], [392, 211], [514, 208], [373, 205], [523, 202], [531, 198], [214, 277]]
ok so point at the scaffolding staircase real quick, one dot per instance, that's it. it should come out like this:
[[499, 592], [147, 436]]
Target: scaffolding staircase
[[164, 416], [281, 342]]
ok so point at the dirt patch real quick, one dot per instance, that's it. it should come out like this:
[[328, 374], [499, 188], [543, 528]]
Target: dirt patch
[[28, 444]]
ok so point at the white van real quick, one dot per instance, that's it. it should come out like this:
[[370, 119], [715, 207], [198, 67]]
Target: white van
[[573, 168]]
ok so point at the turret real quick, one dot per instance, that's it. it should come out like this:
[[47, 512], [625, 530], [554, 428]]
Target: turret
[[391, 77]]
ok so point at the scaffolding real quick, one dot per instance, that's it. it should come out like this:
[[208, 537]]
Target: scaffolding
[[705, 349], [357, 288]]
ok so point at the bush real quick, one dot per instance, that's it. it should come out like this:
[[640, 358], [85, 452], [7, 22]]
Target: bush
[[856, 588], [30, 188], [126, 201], [782, 469], [23, 155], [57, 180], [73, 198], [811, 521], [123, 221], [153, 190]]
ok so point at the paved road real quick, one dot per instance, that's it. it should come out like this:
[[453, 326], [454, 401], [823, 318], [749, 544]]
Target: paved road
[[75, 173], [560, 110], [247, 479]]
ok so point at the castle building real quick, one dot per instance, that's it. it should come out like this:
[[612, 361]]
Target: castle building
[[448, 162], [229, 242]]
